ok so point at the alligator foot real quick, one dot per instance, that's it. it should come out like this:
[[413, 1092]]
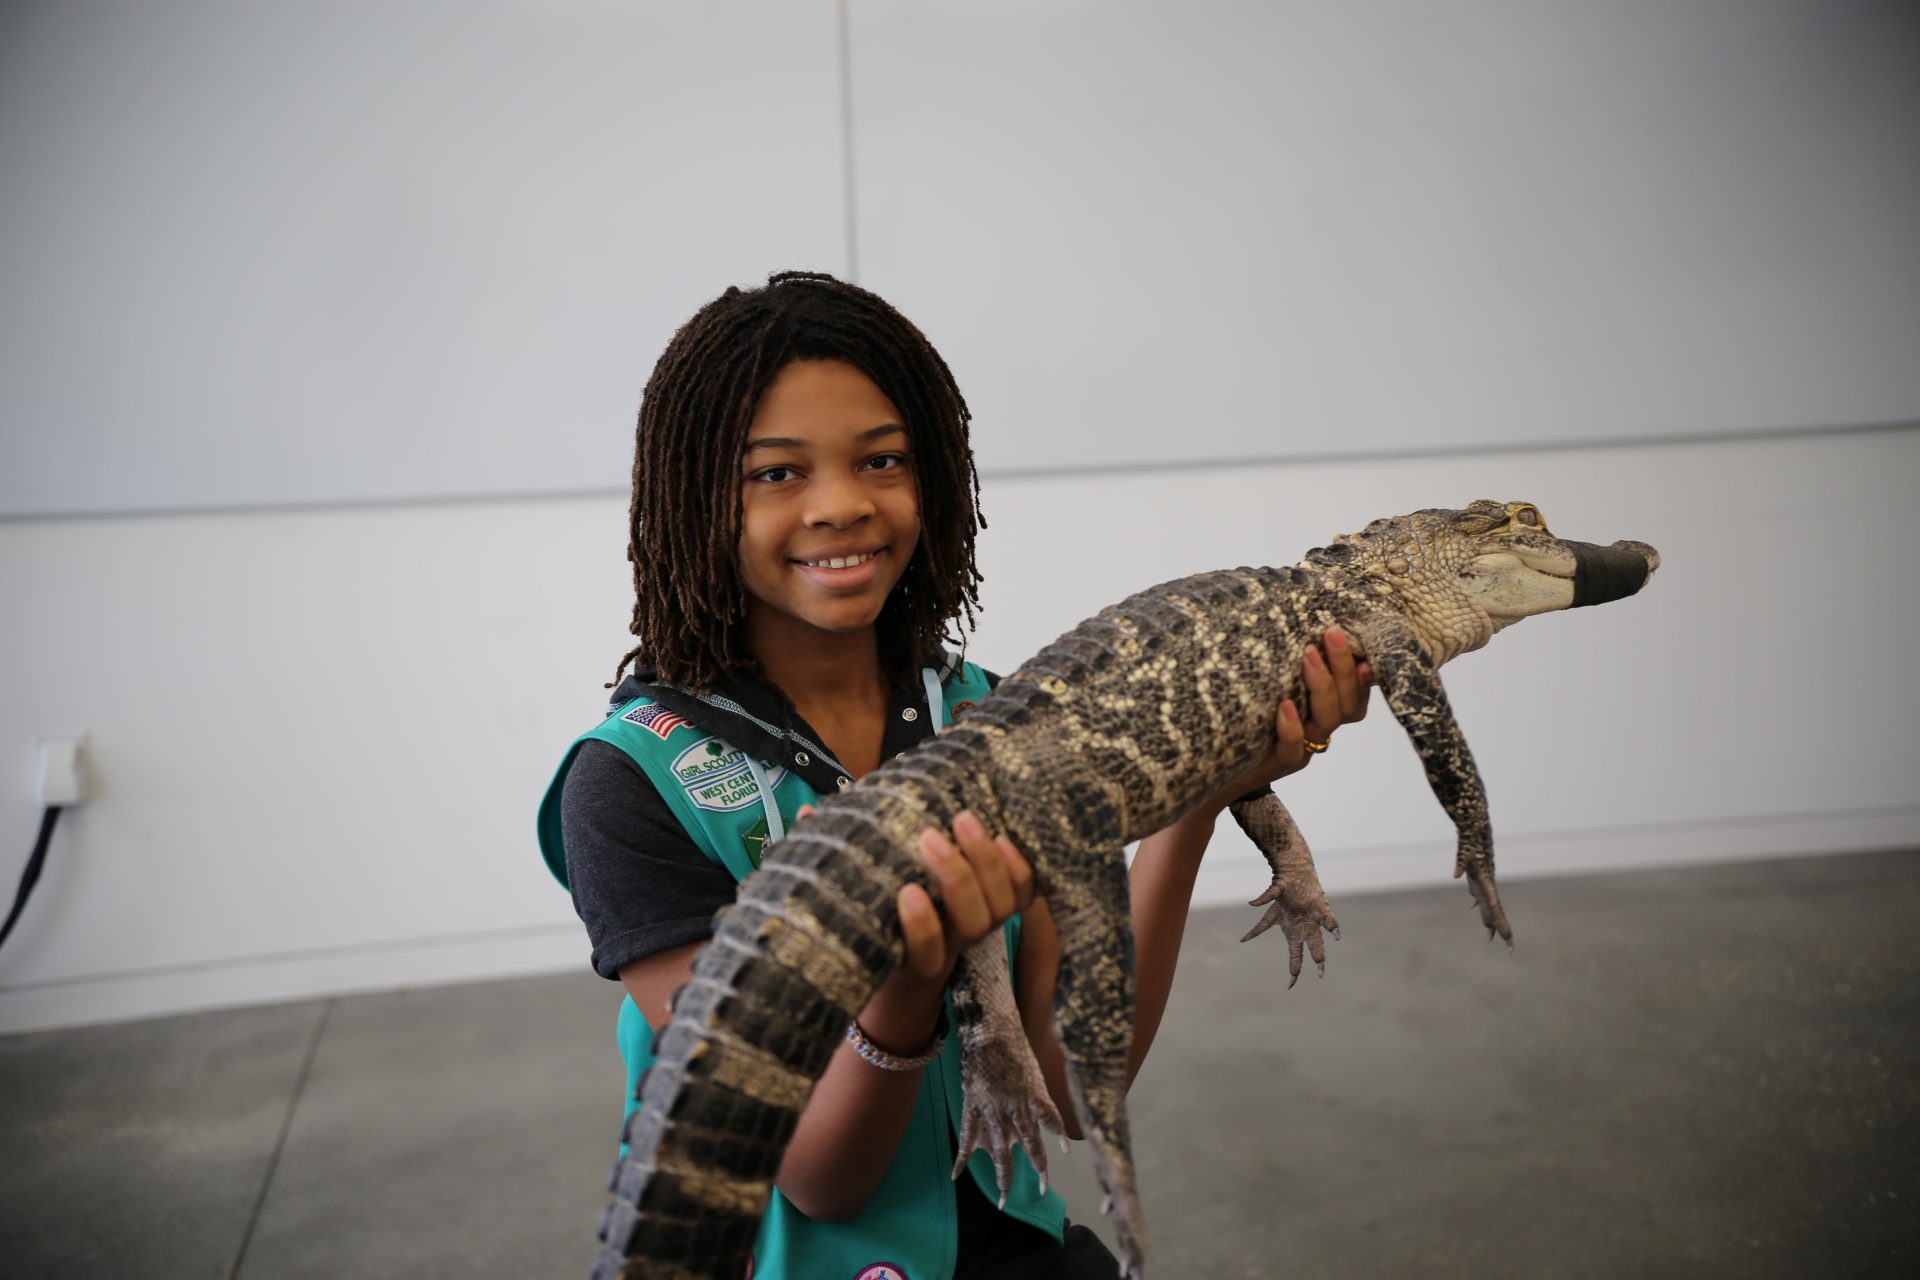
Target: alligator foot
[[1300, 908], [1005, 1103], [1004, 1096], [1486, 896], [1298, 904]]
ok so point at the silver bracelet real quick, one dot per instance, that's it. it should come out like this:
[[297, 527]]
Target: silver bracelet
[[873, 1055]]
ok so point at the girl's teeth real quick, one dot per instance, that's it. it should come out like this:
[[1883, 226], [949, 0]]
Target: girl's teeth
[[840, 562]]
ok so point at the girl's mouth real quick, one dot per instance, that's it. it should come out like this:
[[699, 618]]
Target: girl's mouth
[[843, 573], [840, 562]]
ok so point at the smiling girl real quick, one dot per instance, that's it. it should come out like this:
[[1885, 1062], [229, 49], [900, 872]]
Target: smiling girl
[[802, 540]]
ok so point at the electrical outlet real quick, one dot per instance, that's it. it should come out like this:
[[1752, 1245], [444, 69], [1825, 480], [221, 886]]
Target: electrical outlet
[[61, 781]]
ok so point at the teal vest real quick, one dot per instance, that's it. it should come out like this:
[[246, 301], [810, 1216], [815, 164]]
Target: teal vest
[[719, 795]]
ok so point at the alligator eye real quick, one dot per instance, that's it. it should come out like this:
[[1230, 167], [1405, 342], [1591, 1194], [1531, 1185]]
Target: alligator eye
[[1527, 515]]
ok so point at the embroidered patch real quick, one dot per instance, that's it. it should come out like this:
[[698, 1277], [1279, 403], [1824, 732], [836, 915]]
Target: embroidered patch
[[716, 776], [755, 839], [880, 1271], [961, 708], [656, 719]]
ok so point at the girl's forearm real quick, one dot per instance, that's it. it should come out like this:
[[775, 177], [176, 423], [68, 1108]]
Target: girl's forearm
[[858, 1113], [853, 1123], [1161, 887]]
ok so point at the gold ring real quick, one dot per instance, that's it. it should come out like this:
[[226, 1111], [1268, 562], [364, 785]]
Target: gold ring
[[1313, 747]]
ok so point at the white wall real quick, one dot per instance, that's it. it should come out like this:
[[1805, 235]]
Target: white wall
[[319, 736], [263, 251], [259, 251], [254, 254], [1397, 224]]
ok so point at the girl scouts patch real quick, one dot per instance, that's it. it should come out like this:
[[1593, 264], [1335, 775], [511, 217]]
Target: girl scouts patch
[[881, 1271], [716, 777]]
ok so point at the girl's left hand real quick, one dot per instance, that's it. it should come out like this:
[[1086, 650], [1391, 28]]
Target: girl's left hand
[[1338, 687]]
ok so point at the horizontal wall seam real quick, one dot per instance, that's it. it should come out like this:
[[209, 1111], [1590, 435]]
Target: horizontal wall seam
[[345, 951], [348, 505]]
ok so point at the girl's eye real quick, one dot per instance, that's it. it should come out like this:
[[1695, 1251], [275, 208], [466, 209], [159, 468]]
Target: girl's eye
[[887, 461], [773, 475]]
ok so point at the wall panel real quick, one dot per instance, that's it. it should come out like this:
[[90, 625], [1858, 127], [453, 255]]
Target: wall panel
[[255, 254], [1149, 233]]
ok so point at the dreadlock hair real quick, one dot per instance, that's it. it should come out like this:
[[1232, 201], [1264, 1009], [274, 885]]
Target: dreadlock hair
[[685, 518]]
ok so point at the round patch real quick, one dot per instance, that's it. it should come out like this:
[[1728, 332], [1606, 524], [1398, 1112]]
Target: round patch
[[880, 1271], [962, 707], [717, 777]]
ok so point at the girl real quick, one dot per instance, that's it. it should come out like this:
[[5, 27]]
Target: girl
[[802, 540]]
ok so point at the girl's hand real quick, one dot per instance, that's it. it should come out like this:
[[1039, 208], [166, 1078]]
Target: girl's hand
[[983, 881], [1337, 692]]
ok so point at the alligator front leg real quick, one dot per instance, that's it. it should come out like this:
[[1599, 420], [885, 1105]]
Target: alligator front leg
[[1004, 1096], [1411, 683], [1298, 904]]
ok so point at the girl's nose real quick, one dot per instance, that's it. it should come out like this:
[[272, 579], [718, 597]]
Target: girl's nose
[[840, 502]]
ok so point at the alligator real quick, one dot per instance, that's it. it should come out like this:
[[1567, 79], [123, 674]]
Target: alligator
[[1110, 733]]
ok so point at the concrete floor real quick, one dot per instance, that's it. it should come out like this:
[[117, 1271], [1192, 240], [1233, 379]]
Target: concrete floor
[[1702, 1072]]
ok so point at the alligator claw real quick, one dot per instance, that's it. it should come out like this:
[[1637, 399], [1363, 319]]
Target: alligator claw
[[1302, 912], [1294, 900], [1486, 900], [1004, 1102]]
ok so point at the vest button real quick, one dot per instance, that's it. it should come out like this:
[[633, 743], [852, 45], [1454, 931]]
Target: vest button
[[911, 713], [843, 783], [802, 759]]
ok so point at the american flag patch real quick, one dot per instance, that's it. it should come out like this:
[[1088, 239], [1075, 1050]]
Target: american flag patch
[[656, 718]]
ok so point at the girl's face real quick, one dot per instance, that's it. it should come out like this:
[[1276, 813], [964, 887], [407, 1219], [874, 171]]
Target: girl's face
[[829, 516]]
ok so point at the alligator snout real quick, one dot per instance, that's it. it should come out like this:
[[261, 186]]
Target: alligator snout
[[1602, 574], [1642, 549]]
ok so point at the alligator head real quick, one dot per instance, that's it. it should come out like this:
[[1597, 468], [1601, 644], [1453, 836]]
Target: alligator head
[[1460, 576]]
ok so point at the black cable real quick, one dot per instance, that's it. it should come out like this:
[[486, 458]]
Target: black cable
[[31, 876]]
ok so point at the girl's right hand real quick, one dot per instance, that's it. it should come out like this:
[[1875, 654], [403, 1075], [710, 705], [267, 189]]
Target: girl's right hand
[[983, 881]]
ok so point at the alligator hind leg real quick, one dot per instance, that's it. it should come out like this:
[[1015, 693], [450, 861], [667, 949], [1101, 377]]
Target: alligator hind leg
[[1004, 1096], [1093, 1018], [1298, 904], [1068, 822]]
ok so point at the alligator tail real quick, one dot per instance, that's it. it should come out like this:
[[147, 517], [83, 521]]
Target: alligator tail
[[811, 936]]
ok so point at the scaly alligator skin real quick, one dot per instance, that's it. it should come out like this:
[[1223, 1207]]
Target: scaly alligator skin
[[1112, 732]]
